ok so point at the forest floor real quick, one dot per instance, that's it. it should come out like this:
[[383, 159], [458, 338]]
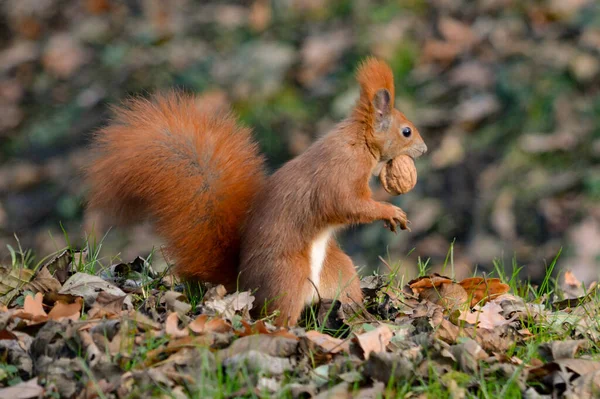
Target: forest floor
[[68, 330]]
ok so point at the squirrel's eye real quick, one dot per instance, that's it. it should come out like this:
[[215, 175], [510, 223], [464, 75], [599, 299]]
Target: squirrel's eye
[[406, 132]]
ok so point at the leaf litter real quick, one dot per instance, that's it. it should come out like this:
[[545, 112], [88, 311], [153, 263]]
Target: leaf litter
[[88, 337]]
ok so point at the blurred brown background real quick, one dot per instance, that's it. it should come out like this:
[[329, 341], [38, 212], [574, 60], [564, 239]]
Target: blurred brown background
[[506, 94]]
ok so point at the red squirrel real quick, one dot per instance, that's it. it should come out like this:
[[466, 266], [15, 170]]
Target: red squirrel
[[199, 176]]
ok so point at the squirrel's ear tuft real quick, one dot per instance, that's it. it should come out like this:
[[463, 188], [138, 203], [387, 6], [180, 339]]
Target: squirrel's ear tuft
[[376, 90], [382, 106], [373, 75]]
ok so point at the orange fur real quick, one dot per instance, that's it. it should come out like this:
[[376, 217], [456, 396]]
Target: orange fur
[[199, 176], [372, 75], [192, 172]]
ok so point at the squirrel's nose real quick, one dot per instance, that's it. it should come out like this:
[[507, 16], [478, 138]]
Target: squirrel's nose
[[420, 149]]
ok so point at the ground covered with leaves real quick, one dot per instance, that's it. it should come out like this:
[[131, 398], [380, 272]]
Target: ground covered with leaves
[[130, 331], [505, 93]]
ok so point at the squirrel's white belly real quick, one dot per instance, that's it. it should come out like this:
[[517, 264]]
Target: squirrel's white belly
[[318, 251]]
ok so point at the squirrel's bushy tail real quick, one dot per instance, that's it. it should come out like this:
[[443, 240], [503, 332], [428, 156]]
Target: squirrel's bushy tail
[[192, 171]]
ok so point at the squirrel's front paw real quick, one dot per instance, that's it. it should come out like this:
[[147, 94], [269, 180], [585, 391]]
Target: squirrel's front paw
[[398, 218]]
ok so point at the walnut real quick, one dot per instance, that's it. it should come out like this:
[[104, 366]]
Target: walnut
[[399, 175]]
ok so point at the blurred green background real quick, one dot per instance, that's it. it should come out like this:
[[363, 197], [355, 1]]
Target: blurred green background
[[505, 93]]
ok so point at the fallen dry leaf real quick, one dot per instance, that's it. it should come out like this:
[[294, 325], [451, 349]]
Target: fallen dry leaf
[[229, 305], [483, 289], [375, 340], [171, 326], [260, 327], [11, 281], [5, 334], [89, 286], [107, 305], [575, 302], [447, 332], [62, 310], [577, 366], [562, 349], [443, 291], [33, 309], [174, 302], [489, 316], [468, 354], [43, 282], [202, 324], [571, 280], [585, 386], [268, 344], [573, 288], [24, 390], [174, 346], [385, 367], [327, 343], [60, 265], [440, 290], [425, 282]]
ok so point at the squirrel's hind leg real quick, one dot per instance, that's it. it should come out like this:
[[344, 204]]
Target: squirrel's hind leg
[[339, 279], [287, 294]]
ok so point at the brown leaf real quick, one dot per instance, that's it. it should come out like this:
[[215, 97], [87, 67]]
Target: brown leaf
[[43, 282], [327, 343], [339, 391], [425, 282], [173, 346], [440, 290], [217, 292], [33, 309], [89, 286], [171, 327], [268, 344], [468, 354], [257, 362], [385, 367], [6, 334], [231, 304], [575, 302], [375, 340], [496, 340], [107, 305], [62, 311], [447, 332], [483, 289], [260, 328], [174, 302], [571, 280], [489, 316], [202, 325], [142, 320], [577, 366], [11, 281], [450, 296], [24, 390], [586, 386], [562, 349], [573, 288], [59, 266]]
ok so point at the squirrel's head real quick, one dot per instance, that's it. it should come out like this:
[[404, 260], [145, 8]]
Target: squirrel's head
[[388, 132]]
